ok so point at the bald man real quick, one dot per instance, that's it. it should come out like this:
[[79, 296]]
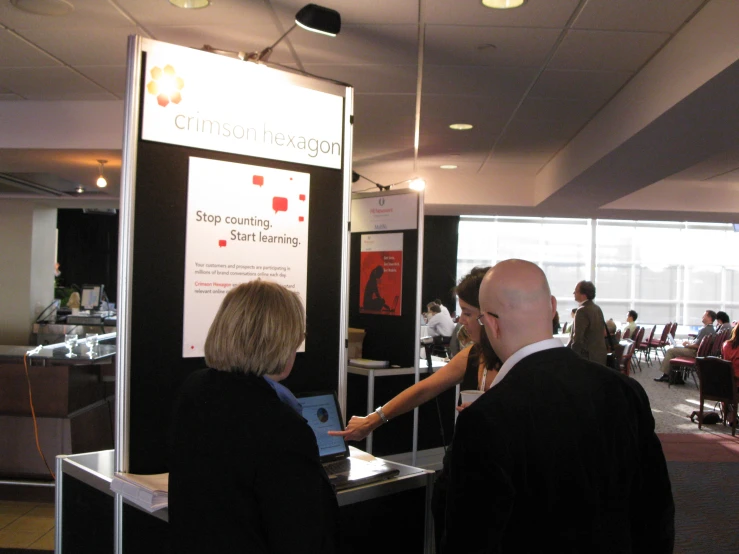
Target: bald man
[[560, 454]]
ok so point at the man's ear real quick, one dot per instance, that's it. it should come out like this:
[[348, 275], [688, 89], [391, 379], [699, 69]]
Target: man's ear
[[492, 326], [554, 304]]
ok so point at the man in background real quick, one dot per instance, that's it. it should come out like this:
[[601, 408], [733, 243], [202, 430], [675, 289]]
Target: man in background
[[630, 323], [588, 330], [596, 481], [723, 323], [689, 348], [439, 324]]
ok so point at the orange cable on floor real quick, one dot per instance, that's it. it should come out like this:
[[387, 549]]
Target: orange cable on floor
[[33, 415]]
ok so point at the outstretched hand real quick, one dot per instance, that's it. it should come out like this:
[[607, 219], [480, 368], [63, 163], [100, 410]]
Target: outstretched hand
[[357, 429]]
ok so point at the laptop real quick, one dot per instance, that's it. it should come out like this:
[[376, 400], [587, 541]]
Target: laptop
[[321, 410]]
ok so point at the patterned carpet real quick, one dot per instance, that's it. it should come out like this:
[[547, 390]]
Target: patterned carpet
[[706, 501]]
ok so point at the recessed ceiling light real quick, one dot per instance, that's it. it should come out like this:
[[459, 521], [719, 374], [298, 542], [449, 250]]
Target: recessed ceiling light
[[502, 4], [448, 166], [80, 189], [44, 7], [460, 126], [190, 4]]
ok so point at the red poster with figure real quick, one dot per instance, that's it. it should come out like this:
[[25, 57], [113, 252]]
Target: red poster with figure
[[381, 274]]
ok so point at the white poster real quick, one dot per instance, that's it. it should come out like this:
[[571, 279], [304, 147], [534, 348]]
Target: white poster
[[385, 213], [199, 99], [244, 222]]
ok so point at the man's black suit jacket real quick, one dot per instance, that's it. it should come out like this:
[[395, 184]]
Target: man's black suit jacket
[[559, 456], [245, 474]]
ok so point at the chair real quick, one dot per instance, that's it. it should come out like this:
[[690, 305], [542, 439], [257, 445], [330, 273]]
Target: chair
[[645, 345], [624, 365], [685, 366], [718, 383], [718, 341], [638, 338], [673, 330], [564, 327], [440, 346], [627, 333], [659, 344]]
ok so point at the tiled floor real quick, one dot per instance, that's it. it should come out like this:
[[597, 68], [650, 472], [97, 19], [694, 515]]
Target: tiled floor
[[26, 525]]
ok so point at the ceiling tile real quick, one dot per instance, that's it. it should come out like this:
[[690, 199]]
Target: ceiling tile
[[558, 109], [481, 111], [471, 45], [18, 53], [111, 78], [218, 36], [371, 78], [534, 13], [51, 83], [579, 85], [86, 14], [606, 50], [636, 15], [248, 16], [92, 46], [498, 84]]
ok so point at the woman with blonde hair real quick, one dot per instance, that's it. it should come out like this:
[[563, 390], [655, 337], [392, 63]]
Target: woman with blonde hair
[[245, 474]]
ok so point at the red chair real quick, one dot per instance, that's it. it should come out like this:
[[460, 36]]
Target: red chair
[[673, 330], [656, 345], [718, 383], [685, 366], [638, 338], [718, 341], [627, 333], [643, 346], [624, 365]]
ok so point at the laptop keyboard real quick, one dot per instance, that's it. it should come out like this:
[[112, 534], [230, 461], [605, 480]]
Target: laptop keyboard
[[339, 466]]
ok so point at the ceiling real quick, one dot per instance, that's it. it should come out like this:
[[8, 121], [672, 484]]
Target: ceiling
[[620, 109]]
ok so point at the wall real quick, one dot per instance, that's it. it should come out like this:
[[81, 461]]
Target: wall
[[27, 243], [440, 237]]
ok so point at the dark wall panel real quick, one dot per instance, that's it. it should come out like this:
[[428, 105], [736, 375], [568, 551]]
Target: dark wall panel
[[440, 241]]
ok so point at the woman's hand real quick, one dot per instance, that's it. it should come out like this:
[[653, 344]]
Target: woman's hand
[[463, 406], [358, 428]]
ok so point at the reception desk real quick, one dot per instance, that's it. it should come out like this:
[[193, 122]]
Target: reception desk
[[71, 400]]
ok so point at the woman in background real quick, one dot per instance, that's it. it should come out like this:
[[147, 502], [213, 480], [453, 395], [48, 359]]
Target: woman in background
[[245, 474], [730, 350], [474, 367]]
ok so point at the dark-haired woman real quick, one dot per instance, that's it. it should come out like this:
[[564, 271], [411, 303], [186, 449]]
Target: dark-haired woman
[[475, 367]]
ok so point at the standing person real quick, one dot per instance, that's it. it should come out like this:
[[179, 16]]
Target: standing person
[[588, 329], [595, 481], [689, 348], [474, 367], [245, 474]]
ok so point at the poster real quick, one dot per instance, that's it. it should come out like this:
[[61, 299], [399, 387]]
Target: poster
[[244, 222], [381, 274]]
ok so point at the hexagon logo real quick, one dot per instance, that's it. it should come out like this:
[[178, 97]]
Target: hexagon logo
[[166, 85]]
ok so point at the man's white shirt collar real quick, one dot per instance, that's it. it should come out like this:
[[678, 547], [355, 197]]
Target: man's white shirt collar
[[519, 355]]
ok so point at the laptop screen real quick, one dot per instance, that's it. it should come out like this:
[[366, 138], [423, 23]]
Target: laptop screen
[[321, 410]]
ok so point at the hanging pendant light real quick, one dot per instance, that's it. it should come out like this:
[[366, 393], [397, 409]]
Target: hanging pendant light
[[102, 182]]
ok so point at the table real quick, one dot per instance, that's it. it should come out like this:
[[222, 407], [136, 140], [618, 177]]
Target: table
[[82, 512], [564, 337], [372, 374]]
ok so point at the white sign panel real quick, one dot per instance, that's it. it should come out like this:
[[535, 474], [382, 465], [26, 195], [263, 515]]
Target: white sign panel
[[385, 213], [244, 222], [204, 100]]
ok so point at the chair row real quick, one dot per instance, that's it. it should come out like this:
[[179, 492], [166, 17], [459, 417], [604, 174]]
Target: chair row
[[710, 345]]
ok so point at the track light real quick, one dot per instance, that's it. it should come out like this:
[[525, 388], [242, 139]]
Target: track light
[[102, 182], [310, 17], [414, 184]]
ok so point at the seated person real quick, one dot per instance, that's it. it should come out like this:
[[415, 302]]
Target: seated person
[[689, 347], [611, 326], [630, 323], [245, 474], [730, 350], [438, 323], [723, 323]]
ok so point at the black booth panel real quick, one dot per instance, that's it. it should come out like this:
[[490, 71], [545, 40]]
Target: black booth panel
[[87, 519], [393, 338], [157, 291], [440, 243]]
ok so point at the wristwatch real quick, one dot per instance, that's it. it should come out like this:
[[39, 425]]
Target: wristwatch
[[382, 415]]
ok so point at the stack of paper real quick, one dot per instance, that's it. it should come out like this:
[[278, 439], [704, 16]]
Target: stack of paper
[[149, 492], [373, 364]]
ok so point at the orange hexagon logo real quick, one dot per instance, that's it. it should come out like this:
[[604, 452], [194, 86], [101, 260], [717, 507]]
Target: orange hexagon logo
[[165, 85]]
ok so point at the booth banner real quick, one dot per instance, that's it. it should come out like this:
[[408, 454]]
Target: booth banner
[[205, 100], [244, 222], [385, 213], [381, 274]]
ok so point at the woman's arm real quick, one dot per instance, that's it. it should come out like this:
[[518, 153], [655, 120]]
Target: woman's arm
[[448, 376]]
